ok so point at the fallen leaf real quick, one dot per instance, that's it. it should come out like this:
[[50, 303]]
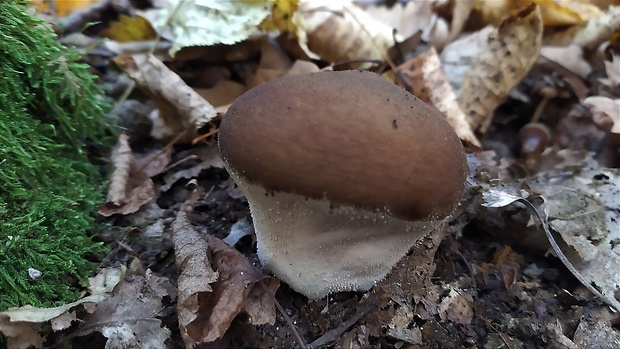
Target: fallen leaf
[[106, 279], [340, 32], [612, 70], [457, 307], [511, 52], [207, 157], [122, 158], [182, 110], [63, 320], [195, 273], [129, 318], [129, 187], [590, 35], [405, 18], [22, 325], [604, 110], [281, 17], [425, 79], [63, 8], [399, 326], [569, 57], [209, 304], [127, 29], [596, 333], [206, 22]]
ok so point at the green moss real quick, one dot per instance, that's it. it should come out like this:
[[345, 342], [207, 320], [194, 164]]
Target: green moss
[[50, 109]]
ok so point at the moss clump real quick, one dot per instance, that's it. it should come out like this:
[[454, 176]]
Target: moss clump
[[50, 108]]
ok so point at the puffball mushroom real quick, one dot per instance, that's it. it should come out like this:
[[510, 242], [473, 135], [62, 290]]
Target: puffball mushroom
[[343, 172]]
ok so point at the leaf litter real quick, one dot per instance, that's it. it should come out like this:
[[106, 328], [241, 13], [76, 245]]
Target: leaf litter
[[530, 258]]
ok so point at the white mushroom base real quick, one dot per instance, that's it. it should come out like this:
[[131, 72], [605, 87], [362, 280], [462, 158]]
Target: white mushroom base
[[317, 250]]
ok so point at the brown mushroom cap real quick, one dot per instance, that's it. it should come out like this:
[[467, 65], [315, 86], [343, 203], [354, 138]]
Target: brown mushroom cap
[[350, 137]]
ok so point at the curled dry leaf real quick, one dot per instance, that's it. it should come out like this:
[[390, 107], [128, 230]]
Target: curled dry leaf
[[129, 187], [210, 300], [399, 326], [457, 307], [612, 69], [425, 79], [406, 18], [122, 158], [23, 325], [605, 111], [129, 318], [462, 11], [589, 36], [195, 273], [584, 210], [207, 157], [511, 52], [340, 32], [182, 109], [569, 57], [457, 56]]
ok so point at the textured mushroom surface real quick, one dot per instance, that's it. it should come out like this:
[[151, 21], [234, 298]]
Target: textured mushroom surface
[[351, 137], [343, 172]]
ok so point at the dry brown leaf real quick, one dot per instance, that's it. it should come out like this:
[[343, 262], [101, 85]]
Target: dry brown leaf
[[605, 111], [237, 290], [425, 79], [457, 57], [591, 35], [210, 300], [612, 70], [583, 209], [152, 162], [23, 324], [493, 11], [560, 13], [339, 32], [399, 326], [457, 307], [106, 279], [207, 156], [22, 335], [182, 110], [302, 67], [223, 93], [63, 320], [512, 51], [195, 273], [122, 158], [243, 280], [596, 333], [462, 11], [570, 57], [274, 63], [130, 187], [129, 318], [406, 18]]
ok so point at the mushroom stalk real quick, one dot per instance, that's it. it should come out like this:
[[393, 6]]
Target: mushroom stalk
[[308, 243]]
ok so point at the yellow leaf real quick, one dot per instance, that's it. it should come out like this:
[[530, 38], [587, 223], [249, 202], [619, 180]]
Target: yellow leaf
[[129, 29], [62, 7], [281, 16], [563, 12]]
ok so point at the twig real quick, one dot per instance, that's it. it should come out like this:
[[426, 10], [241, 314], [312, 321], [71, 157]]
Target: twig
[[332, 335], [562, 257], [302, 343]]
